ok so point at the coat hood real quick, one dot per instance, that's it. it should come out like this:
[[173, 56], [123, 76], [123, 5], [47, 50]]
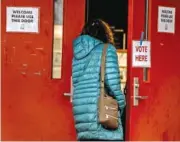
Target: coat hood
[[83, 45]]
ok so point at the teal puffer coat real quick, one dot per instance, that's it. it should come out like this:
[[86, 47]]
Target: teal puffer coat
[[86, 82]]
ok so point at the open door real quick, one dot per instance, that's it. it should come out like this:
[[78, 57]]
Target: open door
[[34, 107], [154, 93]]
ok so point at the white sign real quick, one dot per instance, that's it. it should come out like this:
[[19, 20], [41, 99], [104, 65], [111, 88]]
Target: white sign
[[22, 19], [141, 55], [166, 19]]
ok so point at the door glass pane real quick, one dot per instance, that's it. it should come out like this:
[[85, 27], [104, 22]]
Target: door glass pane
[[57, 40]]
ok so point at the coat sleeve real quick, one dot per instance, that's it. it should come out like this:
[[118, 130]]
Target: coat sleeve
[[112, 77]]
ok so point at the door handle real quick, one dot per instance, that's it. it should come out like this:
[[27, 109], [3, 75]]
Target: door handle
[[141, 97], [71, 92], [136, 96]]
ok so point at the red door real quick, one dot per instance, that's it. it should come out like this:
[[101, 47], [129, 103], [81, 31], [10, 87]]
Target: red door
[[157, 116], [33, 104]]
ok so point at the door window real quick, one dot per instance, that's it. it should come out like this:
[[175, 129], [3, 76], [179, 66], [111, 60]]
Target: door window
[[57, 40]]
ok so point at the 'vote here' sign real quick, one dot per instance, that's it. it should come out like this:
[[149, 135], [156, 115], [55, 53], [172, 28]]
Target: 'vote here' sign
[[141, 55]]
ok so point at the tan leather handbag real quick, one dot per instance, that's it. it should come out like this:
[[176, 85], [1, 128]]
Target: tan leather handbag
[[108, 106]]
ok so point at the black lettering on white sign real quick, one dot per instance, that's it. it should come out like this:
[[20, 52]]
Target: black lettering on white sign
[[22, 19], [23, 16], [166, 19]]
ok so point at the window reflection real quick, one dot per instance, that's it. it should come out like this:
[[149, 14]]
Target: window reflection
[[58, 12]]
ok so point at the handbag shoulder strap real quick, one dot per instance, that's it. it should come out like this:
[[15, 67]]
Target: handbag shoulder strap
[[103, 67]]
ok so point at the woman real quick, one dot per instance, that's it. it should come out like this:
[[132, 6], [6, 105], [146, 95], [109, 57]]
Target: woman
[[86, 80]]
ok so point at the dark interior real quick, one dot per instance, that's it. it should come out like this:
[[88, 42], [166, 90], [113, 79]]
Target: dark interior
[[114, 12]]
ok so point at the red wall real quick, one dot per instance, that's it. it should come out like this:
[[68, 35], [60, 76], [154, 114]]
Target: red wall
[[33, 107]]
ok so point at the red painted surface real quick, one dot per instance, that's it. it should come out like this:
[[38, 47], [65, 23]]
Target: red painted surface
[[33, 107], [156, 118]]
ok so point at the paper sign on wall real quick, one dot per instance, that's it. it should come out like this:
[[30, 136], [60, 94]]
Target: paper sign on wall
[[141, 55], [22, 19], [166, 19]]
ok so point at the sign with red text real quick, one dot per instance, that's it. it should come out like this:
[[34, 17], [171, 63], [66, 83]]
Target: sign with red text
[[22, 19], [141, 55]]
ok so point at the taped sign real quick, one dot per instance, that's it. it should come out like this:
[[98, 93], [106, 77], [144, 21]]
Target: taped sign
[[141, 56], [22, 19], [166, 19]]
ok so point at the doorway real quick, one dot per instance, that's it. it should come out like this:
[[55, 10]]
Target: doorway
[[115, 13]]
